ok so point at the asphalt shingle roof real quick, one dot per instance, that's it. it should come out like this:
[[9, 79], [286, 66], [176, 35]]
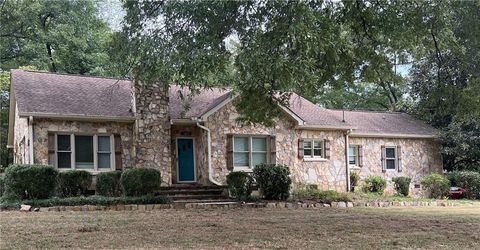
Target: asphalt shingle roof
[[39, 92]]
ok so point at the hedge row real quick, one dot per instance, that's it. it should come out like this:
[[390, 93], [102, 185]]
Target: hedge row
[[89, 200], [24, 182]]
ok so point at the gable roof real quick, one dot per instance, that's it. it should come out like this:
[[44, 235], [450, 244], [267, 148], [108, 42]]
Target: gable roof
[[71, 96], [49, 94]]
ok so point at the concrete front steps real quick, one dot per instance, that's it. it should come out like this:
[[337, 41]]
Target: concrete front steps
[[196, 194]]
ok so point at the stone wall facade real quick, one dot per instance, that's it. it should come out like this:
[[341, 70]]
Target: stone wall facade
[[325, 173], [21, 140], [42, 127], [152, 132], [420, 157]]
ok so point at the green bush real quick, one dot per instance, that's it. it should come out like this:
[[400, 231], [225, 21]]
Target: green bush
[[89, 200], [73, 183], [273, 181], [30, 181], [140, 181], [470, 180], [437, 185], [240, 184], [322, 195], [402, 185], [108, 183], [354, 179], [2, 186], [374, 184]]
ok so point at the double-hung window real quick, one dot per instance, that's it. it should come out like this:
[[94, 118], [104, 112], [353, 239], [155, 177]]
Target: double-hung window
[[313, 149], [249, 151], [353, 155], [390, 158], [89, 152]]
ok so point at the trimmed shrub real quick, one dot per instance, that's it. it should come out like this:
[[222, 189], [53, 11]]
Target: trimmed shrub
[[273, 181], [89, 200], [374, 184], [108, 183], [322, 195], [2, 186], [437, 185], [73, 183], [30, 181], [140, 181], [354, 179], [470, 180], [240, 184], [402, 185]]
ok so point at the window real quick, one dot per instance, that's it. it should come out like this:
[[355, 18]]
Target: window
[[89, 152], [313, 149], [353, 155], [249, 151], [390, 158]]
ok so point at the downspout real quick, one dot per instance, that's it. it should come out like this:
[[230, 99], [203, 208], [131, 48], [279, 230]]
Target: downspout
[[347, 167], [209, 157], [30, 139]]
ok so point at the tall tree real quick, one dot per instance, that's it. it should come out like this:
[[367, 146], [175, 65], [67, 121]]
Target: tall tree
[[283, 46], [59, 36]]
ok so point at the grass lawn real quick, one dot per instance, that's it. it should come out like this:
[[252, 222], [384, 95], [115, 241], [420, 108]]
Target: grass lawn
[[367, 228]]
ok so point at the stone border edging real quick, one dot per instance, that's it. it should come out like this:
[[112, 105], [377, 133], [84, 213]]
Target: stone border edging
[[229, 205]]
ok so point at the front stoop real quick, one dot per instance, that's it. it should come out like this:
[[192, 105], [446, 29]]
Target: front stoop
[[183, 194]]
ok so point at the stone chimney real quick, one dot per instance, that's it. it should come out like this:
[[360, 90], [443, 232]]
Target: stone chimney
[[152, 129]]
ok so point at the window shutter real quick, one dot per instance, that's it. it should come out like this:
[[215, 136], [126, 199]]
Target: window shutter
[[360, 156], [273, 150], [117, 140], [51, 149], [399, 158], [230, 152], [300, 148], [326, 144], [384, 168]]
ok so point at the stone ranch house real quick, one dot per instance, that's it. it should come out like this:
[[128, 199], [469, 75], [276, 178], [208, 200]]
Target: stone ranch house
[[102, 124]]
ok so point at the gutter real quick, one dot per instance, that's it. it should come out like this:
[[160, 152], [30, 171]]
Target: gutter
[[77, 117], [30, 139], [320, 127], [209, 152]]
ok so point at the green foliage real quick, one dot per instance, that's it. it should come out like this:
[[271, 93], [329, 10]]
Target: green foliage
[[437, 185], [89, 200], [108, 183], [273, 181], [470, 180], [240, 184], [2, 185], [402, 185], [140, 181], [354, 179], [322, 195], [30, 181], [73, 183], [461, 144], [374, 184]]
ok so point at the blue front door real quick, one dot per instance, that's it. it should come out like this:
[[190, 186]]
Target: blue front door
[[186, 163]]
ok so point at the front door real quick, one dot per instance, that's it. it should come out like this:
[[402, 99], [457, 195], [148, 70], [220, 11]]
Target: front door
[[186, 160]]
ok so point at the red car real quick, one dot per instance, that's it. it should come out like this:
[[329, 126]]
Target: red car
[[457, 193]]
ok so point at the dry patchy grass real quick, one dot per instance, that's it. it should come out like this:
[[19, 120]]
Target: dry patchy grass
[[366, 228]]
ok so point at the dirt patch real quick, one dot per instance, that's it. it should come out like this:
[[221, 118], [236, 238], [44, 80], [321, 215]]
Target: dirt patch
[[420, 227]]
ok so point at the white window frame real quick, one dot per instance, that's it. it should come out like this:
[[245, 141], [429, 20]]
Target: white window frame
[[250, 151], [395, 159], [312, 155], [95, 152], [355, 149]]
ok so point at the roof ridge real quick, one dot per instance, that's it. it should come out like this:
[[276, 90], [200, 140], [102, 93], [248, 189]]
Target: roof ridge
[[368, 111], [76, 75]]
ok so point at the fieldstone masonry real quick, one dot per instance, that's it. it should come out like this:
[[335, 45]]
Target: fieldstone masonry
[[152, 132]]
